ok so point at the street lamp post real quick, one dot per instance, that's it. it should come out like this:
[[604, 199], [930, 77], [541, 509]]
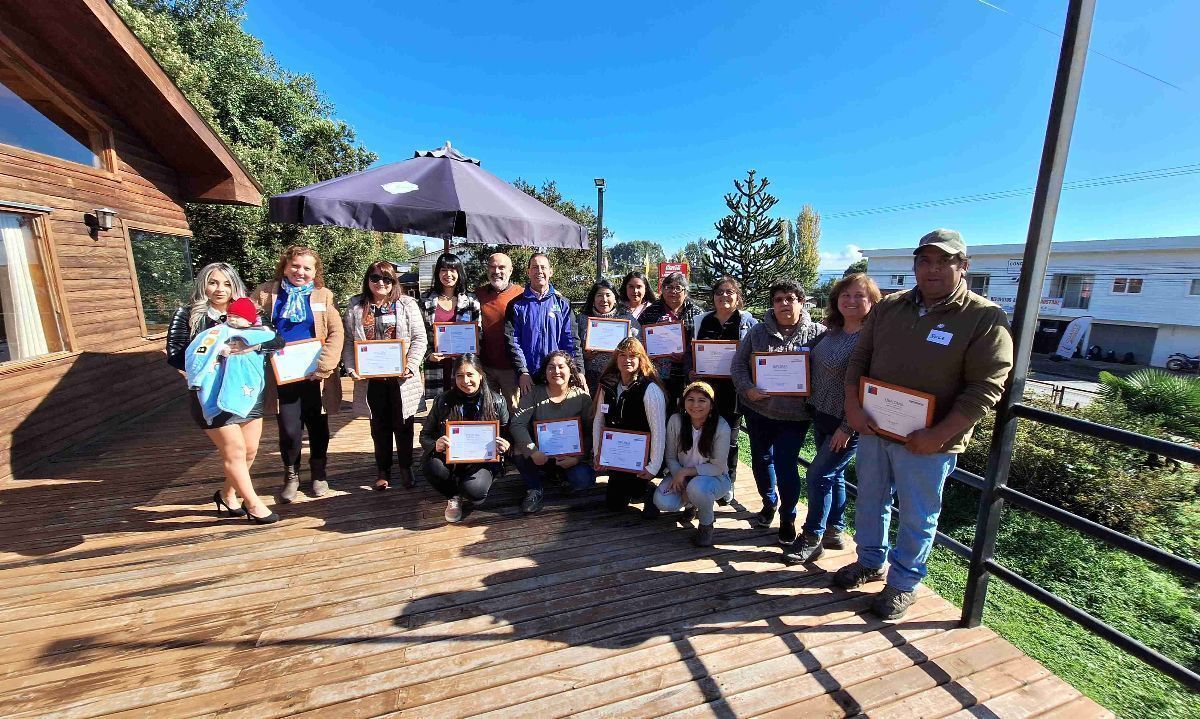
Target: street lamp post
[[599, 228]]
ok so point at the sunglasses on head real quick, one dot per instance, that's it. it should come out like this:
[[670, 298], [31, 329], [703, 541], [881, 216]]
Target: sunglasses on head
[[381, 278]]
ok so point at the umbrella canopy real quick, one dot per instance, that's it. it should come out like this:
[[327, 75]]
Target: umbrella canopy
[[438, 193]]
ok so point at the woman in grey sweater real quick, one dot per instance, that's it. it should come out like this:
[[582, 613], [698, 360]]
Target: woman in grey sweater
[[697, 460]]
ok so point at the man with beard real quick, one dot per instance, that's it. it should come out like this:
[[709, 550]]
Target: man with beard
[[494, 296]]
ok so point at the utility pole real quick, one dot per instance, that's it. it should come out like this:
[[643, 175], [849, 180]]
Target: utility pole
[[599, 228]]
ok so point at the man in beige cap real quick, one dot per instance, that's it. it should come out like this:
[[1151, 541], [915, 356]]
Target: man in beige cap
[[941, 339]]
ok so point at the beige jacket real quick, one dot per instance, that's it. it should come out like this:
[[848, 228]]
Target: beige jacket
[[328, 324]]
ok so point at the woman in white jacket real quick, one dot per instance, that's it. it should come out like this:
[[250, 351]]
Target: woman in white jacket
[[698, 460]]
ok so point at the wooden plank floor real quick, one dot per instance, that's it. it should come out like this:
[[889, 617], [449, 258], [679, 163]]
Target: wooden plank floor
[[121, 595]]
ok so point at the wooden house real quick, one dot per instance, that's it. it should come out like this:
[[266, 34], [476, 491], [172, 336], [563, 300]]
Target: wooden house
[[98, 152]]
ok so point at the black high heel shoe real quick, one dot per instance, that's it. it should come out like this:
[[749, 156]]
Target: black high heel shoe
[[271, 518], [221, 505]]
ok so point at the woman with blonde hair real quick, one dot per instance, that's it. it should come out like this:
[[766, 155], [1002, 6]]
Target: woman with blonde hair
[[301, 308], [216, 287], [631, 398]]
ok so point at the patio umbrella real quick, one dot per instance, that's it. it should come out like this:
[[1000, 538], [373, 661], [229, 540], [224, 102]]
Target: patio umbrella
[[438, 193]]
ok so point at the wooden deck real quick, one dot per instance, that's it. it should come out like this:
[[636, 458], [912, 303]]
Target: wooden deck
[[121, 595]]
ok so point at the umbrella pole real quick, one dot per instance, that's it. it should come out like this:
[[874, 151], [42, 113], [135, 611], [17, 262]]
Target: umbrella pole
[[446, 247]]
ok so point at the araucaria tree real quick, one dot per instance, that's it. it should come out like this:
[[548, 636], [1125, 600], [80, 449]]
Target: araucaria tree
[[750, 245]]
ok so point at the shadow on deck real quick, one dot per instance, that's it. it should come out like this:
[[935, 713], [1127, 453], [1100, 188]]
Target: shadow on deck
[[120, 594]]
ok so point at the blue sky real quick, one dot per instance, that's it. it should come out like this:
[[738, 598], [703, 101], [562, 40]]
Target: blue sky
[[844, 105]]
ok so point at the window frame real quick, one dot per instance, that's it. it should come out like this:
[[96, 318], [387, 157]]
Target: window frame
[[100, 136], [129, 228], [896, 280], [987, 282], [1193, 287], [1127, 283], [44, 241]]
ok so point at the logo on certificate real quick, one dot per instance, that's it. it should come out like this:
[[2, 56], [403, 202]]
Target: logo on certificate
[[700, 348], [762, 361], [872, 389], [441, 329], [362, 349], [650, 330], [595, 324], [608, 435], [454, 430]]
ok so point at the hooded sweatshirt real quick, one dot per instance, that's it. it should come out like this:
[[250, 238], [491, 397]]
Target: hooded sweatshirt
[[226, 384]]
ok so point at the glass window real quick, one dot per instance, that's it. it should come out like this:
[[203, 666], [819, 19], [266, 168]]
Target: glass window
[[29, 322], [164, 275], [1127, 286], [1075, 290], [978, 284], [1195, 287], [898, 280], [31, 120]]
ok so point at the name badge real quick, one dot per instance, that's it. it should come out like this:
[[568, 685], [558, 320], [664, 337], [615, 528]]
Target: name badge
[[318, 306], [604, 409], [387, 319], [940, 337]]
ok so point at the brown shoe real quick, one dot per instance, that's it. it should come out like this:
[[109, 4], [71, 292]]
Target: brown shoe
[[291, 485]]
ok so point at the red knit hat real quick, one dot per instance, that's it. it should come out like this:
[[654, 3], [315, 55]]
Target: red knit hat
[[245, 309]]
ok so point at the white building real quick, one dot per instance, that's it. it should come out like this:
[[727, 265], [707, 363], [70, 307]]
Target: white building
[[1143, 294]]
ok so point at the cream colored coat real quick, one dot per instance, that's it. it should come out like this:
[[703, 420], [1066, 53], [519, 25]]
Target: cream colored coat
[[328, 325]]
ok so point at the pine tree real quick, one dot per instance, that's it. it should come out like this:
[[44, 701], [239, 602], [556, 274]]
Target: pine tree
[[749, 246]]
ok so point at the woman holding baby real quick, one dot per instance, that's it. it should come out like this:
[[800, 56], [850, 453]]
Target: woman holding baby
[[218, 296]]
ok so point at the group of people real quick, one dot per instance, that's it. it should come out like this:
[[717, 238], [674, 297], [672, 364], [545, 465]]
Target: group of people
[[531, 366]]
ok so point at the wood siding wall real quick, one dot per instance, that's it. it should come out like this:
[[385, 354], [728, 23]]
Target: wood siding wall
[[112, 372]]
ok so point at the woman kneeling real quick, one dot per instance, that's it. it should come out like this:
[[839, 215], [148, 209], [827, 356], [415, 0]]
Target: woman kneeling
[[698, 460]]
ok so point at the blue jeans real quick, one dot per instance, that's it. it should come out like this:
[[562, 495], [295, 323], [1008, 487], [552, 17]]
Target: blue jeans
[[581, 476], [827, 484], [885, 467], [775, 458], [702, 492]]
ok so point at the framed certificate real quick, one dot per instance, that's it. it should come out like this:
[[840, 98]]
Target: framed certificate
[[663, 339], [624, 450], [380, 358], [713, 358], [603, 335], [559, 437], [897, 411], [472, 442], [784, 374], [455, 338], [295, 361]]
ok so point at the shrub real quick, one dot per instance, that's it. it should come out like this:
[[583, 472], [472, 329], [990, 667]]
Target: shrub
[[1171, 401]]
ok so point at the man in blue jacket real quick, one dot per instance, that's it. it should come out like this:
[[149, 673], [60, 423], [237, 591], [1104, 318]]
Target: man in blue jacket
[[538, 322]]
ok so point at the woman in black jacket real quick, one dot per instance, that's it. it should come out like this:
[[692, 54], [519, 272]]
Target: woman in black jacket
[[470, 399], [214, 289]]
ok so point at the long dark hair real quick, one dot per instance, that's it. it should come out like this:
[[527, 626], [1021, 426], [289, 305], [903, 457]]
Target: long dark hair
[[708, 432], [636, 275], [574, 379], [589, 306], [387, 269], [456, 397], [453, 262]]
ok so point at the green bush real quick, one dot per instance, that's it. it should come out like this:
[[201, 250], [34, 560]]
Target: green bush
[[1169, 400]]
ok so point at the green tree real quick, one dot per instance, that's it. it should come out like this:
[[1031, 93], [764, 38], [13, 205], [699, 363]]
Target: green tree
[[632, 255], [278, 125], [856, 266], [750, 246], [1172, 401], [804, 240], [696, 254], [820, 294]]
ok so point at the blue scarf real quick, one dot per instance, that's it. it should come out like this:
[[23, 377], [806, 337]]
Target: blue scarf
[[296, 309]]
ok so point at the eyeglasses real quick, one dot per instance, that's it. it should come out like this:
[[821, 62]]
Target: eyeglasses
[[381, 278], [726, 293], [674, 288]]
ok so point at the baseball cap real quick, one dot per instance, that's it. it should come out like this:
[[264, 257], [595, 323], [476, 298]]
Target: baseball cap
[[948, 241]]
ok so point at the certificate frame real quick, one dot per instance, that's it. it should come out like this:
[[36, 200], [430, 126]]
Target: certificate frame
[[587, 340], [449, 324], [682, 335], [696, 344], [862, 391], [578, 429], [471, 460], [404, 344], [807, 372], [275, 370], [600, 450]]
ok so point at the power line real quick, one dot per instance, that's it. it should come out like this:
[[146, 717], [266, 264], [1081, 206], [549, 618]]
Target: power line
[[1090, 50], [1119, 179]]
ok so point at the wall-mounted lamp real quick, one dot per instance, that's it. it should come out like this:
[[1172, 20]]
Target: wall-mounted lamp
[[105, 217]]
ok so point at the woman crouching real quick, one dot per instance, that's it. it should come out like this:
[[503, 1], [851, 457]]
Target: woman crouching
[[471, 399], [697, 460]]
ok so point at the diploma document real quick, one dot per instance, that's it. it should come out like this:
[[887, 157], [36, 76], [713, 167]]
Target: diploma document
[[472, 442], [559, 437], [780, 373], [603, 335], [380, 358], [455, 338], [713, 358], [664, 338], [295, 361], [897, 411], [624, 450]]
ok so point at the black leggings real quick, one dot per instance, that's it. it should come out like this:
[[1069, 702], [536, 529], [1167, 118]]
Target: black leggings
[[300, 408], [470, 481], [624, 487], [388, 424]]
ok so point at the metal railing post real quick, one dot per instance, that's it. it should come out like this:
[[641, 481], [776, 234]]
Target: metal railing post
[[1063, 105]]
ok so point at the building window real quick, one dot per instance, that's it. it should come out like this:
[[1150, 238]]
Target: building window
[[163, 264], [1194, 289], [32, 119], [978, 284], [897, 280], [30, 325], [1127, 286], [1075, 290]]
